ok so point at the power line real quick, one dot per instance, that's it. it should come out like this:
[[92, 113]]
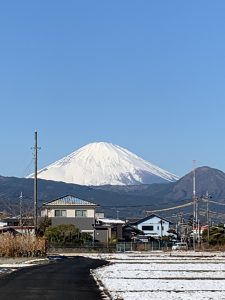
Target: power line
[[215, 202], [204, 211], [171, 208], [27, 169]]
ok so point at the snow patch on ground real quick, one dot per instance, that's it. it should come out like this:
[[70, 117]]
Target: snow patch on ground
[[10, 265], [173, 276]]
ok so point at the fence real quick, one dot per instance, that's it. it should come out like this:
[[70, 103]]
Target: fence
[[87, 247], [144, 246], [108, 247]]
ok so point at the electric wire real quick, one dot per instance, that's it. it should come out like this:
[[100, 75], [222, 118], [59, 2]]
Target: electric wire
[[170, 208]]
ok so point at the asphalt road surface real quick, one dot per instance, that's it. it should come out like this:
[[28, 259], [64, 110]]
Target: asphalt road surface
[[66, 279]]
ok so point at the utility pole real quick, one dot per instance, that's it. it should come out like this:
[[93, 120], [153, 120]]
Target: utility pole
[[180, 225], [21, 198], [177, 226], [35, 181], [161, 222], [207, 214], [197, 220], [196, 212], [194, 205]]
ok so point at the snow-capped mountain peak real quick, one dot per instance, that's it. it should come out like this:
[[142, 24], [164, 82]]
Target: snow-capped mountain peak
[[104, 163]]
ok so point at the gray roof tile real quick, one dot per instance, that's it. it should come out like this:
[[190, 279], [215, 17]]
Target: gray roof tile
[[70, 200]]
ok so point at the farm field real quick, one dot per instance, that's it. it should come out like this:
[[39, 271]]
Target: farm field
[[9, 265], [179, 275]]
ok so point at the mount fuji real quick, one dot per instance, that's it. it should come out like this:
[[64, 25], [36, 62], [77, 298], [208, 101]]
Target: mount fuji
[[104, 164]]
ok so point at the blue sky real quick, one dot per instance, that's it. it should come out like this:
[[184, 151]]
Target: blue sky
[[146, 75]]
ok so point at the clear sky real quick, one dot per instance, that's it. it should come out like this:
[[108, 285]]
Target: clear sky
[[146, 75]]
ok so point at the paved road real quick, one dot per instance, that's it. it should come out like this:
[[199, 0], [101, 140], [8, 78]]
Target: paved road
[[66, 279]]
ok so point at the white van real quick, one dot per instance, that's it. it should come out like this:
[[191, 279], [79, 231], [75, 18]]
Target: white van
[[180, 246]]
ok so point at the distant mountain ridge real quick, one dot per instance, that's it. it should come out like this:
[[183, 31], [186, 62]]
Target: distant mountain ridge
[[104, 163], [131, 200]]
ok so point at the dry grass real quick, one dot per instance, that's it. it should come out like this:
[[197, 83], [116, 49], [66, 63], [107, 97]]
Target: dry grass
[[22, 245], [207, 247]]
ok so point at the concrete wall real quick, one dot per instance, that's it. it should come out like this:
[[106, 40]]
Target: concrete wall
[[81, 223], [102, 234]]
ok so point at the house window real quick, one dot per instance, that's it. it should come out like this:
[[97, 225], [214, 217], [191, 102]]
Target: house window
[[157, 227], [149, 228], [60, 213], [80, 213]]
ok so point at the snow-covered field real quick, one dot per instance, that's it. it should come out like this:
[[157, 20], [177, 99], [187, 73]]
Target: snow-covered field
[[12, 264], [180, 275]]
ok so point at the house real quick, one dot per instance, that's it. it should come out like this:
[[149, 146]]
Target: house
[[106, 229], [130, 232], [25, 230], [153, 225], [15, 221], [71, 210], [12, 225]]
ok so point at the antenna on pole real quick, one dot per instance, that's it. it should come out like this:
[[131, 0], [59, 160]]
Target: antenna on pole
[[194, 179], [194, 204]]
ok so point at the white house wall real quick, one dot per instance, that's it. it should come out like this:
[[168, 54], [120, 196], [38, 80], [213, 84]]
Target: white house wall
[[70, 213], [156, 223], [90, 213], [47, 213]]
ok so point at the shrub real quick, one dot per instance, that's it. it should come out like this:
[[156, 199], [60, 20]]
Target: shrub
[[63, 234], [216, 235], [44, 224]]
